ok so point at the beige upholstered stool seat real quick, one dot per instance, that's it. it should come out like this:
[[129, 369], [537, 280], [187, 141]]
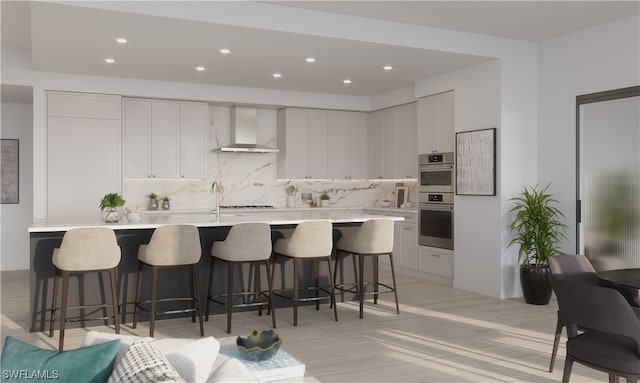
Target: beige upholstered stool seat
[[83, 250], [246, 243], [170, 246], [311, 240], [373, 239]]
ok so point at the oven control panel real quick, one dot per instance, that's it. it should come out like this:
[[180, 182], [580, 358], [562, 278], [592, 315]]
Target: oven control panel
[[437, 198]]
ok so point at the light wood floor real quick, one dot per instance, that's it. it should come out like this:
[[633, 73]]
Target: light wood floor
[[441, 335]]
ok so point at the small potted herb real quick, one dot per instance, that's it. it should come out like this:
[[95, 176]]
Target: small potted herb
[[324, 199], [153, 201], [165, 203], [111, 202]]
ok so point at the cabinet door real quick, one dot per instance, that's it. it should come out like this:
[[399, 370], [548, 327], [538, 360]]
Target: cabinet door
[[84, 105], [83, 164], [409, 237], [426, 125], [436, 261], [338, 149], [292, 157], [358, 145], [317, 145], [444, 135], [376, 156], [390, 139], [406, 146], [165, 139], [136, 138], [193, 140]]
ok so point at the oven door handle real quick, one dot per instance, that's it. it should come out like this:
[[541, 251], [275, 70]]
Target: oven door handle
[[436, 167], [436, 207]]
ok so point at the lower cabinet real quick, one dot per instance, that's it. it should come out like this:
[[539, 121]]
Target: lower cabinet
[[436, 261]]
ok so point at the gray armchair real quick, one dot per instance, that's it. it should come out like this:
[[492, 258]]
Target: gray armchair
[[612, 343]]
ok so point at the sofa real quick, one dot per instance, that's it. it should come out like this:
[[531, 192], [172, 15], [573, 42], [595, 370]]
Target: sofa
[[113, 358]]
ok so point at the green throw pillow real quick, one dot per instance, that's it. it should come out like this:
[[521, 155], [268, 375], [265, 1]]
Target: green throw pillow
[[22, 362]]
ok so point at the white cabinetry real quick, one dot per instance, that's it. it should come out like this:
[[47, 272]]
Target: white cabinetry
[[164, 139], [83, 152], [435, 124], [436, 261], [322, 144], [393, 142]]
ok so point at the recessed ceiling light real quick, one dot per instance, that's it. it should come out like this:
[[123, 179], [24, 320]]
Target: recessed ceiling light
[[347, 81], [387, 67], [310, 59], [277, 75], [200, 68], [225, 51], [121, 40], [109, 61]]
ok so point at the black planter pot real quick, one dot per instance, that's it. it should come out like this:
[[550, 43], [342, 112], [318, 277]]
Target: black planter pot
[[536, 284]]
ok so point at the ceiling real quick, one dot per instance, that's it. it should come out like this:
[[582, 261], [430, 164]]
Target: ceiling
[[169, 49]]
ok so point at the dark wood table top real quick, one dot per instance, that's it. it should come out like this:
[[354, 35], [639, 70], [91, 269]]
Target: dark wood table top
[[626, 277]]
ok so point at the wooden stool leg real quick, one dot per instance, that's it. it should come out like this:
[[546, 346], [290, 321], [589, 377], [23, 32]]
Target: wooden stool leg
[[376, 278], [114, 300], [333, 291], [316, 279], [54, 302], [192, 293], [196, 283], [361, 283], [209, 287], [258, 287], [63, 309], [229, 294], [270, 306], [395, 288], [154, 296], [335, 275], [296, 283], [556, 342], [138, 290]]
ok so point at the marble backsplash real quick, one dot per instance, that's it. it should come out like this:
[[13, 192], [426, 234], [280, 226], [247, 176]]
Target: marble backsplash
[[251, 178]]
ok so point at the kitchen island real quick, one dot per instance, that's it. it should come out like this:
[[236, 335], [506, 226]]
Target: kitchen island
[[46, 235]]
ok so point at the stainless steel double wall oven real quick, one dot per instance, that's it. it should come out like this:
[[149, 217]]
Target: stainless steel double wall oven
[[435, 199]]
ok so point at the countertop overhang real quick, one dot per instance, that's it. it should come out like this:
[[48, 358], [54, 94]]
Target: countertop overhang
[[227, 218]]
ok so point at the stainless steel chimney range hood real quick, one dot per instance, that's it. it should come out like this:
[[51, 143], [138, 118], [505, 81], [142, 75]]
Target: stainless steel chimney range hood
[[244, 127]]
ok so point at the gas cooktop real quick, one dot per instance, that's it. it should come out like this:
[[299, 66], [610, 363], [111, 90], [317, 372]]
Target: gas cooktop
[[246, 207]]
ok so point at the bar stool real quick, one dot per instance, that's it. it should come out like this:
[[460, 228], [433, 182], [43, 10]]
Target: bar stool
[[311, 240], [84, 250], [373, 239], [170, 246], [246, 243]]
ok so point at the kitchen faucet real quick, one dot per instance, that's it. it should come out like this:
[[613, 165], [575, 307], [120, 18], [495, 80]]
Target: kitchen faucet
[[215, 189]]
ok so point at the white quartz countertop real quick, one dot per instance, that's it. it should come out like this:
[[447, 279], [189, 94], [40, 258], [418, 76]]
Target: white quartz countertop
[[227, 218]]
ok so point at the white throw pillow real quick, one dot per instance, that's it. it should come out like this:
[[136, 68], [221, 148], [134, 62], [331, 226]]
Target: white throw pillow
[[144, 364], [192, 358]]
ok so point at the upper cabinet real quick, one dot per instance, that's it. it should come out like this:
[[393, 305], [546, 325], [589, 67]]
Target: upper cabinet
[[393, 149], [164, 139], [83, 152], [317, 144], [435, 121]]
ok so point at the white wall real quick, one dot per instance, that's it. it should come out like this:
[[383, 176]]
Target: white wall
[[15, 218], [597, 59]]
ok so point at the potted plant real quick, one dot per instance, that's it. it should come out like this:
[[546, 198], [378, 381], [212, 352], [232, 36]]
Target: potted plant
[[324, 199], [112, 201], [537, 230], [153, 201], [165, 202]]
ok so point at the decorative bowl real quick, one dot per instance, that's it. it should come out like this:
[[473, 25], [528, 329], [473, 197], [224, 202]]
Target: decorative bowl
[[134, 216], [385, 203], [259, 345]]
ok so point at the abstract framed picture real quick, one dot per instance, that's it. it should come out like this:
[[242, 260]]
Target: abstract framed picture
[[402, 195], [9, 171], [476, 162]]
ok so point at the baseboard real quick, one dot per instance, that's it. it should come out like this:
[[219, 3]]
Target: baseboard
[[14, 275]]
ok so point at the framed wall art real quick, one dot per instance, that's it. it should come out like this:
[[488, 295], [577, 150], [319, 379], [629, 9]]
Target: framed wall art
[[402, 195], [9, 171], [476, 162]]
